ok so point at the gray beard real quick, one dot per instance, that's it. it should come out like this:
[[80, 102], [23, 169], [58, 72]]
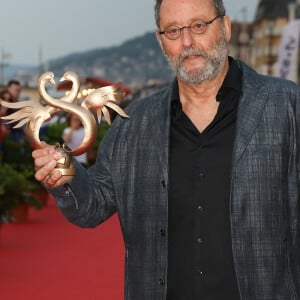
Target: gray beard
[[214, 61]]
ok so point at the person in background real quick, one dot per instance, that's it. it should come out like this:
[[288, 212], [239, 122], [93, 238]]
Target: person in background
[[14, 87], [6, 96], [73, 136], [204, 174]]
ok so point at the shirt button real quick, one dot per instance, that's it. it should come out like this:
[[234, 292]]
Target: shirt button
[[162, 233], [161, 282], [199, 207], [199, 240], [200, 272], [201, 174]]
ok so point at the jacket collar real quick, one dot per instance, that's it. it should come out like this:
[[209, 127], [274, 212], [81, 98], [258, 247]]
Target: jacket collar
[[250, 110]]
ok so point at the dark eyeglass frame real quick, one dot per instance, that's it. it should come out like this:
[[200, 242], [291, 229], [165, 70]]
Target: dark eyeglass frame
[[205, 23]]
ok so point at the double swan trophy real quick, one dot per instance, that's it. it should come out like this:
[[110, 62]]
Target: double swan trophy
[[33, 114]]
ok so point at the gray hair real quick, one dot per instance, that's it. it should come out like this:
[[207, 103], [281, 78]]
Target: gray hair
[[218, 4]]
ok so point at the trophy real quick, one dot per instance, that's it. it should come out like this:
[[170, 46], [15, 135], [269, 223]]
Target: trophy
[[33, 114]]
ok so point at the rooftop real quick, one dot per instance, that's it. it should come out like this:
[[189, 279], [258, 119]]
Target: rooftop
[[272, 9]]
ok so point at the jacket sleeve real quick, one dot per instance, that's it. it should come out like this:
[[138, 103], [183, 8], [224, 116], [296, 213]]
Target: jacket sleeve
[[89, 199], [298, 137]]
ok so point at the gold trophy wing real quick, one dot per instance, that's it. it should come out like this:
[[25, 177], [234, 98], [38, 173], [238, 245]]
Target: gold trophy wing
[[104, 97], [31, 112]]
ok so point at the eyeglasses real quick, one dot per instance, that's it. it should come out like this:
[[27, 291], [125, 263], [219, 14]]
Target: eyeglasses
[[199, 26]]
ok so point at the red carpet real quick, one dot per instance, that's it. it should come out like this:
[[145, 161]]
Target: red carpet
[[47, 258]]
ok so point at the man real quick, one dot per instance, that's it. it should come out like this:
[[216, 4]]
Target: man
[[204, 174], [14, 88]]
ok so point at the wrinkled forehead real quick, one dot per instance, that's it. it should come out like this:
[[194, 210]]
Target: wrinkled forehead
[[183, 11]]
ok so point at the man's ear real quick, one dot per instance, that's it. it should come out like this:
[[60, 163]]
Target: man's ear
[[158, 37], [227, 26]]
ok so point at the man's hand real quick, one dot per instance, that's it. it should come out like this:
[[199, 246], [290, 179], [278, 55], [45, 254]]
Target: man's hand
[[44, 162]]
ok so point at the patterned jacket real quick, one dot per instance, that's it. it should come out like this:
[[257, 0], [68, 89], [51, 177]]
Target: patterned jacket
[[130, 177]]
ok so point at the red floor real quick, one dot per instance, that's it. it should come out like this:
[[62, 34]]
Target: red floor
[[47, 258]]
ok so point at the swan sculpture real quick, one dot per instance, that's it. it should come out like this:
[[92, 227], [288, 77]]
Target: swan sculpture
[[34, 114], [87, 119]]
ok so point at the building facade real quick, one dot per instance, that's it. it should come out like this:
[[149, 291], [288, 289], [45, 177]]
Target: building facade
[[271, 17], [241, 41]]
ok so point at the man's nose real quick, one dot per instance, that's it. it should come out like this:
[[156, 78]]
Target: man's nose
[[187, 37]]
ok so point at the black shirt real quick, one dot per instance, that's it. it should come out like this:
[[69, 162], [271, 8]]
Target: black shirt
[[200, 262]]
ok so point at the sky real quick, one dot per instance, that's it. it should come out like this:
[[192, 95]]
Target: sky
[[35, 31]]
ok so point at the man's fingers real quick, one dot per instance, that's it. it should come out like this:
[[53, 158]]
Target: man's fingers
[[44, 170], [56, 179], [45, 160], [53, 179], [41, 159], [43, 152]]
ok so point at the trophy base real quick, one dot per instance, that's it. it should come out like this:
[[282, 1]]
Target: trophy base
[[65, 172], [64, 165]]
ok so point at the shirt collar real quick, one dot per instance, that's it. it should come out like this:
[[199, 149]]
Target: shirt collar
[[233, 80]]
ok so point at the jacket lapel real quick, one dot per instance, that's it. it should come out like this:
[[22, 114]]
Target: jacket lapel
[[160, 127], [249, 112]]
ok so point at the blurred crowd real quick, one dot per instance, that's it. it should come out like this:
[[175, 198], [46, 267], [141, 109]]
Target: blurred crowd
[[10, 93]]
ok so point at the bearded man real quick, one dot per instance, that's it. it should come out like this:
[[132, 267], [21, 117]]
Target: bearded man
[[204, 175]]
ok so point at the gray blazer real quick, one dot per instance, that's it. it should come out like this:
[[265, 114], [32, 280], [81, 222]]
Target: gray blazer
[[131, 177]]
